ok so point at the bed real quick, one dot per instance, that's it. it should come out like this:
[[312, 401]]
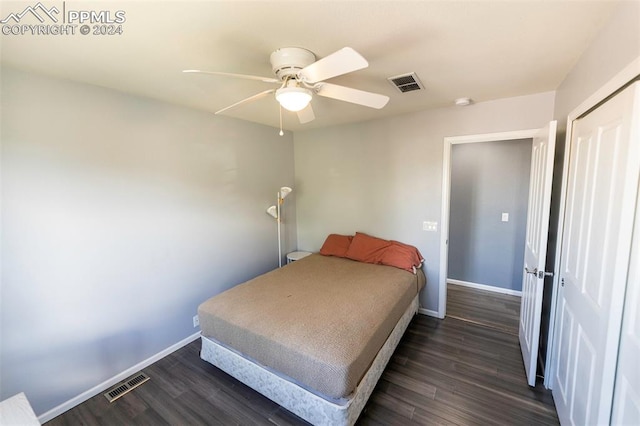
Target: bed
[[313, 336]]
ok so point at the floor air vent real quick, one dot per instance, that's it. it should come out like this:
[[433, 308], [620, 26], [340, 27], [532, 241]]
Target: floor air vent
[[127, 386], [406, 82]]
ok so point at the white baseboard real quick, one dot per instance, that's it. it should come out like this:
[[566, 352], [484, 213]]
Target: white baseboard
[[429, 312], [65, 406], [485, 287]]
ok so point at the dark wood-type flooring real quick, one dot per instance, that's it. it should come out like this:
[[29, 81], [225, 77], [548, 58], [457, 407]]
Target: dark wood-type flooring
[[443, 372], [496, 310]]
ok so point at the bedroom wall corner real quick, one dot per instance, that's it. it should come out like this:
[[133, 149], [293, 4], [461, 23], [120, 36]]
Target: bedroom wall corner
[[120, 215], [616, 46]]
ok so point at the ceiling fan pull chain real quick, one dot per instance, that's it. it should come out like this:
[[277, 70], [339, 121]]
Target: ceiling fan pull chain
[[280, 109]]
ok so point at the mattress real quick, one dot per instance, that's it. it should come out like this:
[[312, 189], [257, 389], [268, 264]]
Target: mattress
[[319, 321]]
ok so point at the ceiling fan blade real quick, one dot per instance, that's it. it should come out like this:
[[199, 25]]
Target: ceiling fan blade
[[249, 99], [306, 114], [360, 97], [341, 62], [227, 74]]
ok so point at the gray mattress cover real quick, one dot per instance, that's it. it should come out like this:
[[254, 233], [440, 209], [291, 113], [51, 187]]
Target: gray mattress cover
[[320, 320]]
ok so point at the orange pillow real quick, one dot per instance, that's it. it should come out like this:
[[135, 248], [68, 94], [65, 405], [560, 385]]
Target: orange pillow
[[336, 245], [365, 248], [402, 256], [416, 256]]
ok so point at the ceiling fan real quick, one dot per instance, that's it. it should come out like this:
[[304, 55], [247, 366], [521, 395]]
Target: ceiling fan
[[300, 76]]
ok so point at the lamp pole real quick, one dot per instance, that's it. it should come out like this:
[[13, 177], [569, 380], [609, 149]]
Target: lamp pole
[[279, 202], [276, 212]]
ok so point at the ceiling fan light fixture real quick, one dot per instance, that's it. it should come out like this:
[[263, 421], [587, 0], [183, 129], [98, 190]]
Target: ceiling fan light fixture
[[293, 98]]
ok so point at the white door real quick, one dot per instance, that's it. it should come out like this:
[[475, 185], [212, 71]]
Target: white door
[[604, 160], [626, 395], [536, 246]]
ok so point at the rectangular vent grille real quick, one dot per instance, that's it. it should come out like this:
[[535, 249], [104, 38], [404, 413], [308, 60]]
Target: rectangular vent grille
[[406, 82], [125, 387]]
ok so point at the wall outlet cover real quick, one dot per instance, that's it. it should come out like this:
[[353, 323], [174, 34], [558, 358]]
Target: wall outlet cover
[[430, 226], [196, 321]]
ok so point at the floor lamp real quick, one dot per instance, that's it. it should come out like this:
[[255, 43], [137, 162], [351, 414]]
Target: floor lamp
[[274, 211]]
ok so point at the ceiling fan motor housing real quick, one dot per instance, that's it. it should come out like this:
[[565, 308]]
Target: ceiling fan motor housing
[[288, 61]]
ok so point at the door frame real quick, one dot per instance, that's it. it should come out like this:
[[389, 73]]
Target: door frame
[[625, 76], [449, 141]]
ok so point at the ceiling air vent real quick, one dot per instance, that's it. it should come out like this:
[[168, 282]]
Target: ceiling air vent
[[406, 82], [125, 387]]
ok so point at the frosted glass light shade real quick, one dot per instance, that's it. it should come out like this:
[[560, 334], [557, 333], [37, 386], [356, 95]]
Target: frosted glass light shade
[[293, 98], [284, 191], [273, 211]]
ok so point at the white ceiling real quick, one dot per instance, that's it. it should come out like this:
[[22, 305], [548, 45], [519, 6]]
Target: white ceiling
[[481, 49]]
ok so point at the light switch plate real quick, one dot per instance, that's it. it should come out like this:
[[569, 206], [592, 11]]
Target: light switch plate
[[430, 226], [505, 217]]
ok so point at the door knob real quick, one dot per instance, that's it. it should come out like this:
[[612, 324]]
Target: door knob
[[539, 274], [542, 274]]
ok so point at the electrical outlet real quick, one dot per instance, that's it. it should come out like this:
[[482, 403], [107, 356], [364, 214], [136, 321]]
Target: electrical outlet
[[196, 321], [505, 217]]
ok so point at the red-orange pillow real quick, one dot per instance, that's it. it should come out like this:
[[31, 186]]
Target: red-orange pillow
[[417, 257], [402, 256], [365, 248], [336, 245]]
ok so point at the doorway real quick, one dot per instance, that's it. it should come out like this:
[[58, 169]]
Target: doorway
[[488, 216], [474, 270], [534, 264]]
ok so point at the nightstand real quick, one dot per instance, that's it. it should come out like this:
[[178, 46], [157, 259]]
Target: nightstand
[[296, 255]]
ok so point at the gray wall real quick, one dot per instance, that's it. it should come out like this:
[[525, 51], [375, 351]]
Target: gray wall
[[615, 47], [120, 215], [487, 179], [384, 177]]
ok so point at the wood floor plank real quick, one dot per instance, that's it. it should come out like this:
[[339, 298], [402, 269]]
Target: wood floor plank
[[391, 402], [444, 372], [496, 310], [409, 383], [406, 395]]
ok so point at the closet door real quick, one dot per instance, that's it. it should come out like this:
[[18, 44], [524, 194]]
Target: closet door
[[626, 395], [601, 193]]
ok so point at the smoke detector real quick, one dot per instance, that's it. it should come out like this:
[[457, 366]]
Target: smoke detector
[[463, 101]]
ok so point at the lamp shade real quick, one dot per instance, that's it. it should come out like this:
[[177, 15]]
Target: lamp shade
[[284, 191], [273, 211], [293, 98]]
